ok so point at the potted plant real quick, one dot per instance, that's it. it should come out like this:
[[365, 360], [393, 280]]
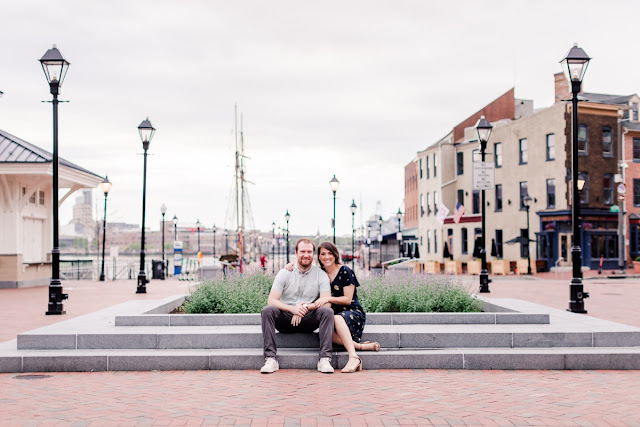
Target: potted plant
[[473, 266], [636, 265], [432, 267], [453, 267], [500, 266]]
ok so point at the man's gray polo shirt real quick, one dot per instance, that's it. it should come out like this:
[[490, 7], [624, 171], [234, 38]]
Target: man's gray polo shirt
[[298, 287]]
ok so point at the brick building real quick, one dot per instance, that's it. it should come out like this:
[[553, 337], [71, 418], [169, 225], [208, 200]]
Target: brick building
[[531, 151]]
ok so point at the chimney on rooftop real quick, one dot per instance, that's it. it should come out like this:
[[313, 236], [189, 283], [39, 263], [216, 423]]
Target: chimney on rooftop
[[562, 87]]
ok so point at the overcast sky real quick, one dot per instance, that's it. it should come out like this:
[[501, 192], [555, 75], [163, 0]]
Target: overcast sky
[[351, 88]]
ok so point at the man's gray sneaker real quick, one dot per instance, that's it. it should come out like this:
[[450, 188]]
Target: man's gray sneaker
[[270, 366], [324, 365]]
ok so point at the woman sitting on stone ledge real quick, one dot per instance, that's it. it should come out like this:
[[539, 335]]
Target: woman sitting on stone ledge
[[349, 317]]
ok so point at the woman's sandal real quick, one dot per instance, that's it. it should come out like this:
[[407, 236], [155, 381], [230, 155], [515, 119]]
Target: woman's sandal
[[368, 346], [358, 367]]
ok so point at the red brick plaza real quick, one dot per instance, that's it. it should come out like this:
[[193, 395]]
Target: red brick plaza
[[303, 397]]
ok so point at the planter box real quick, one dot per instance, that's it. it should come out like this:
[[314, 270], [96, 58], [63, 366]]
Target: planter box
[[500, 266], [474, 267], [636, 267], [523, 266], [432, 267], [453, 267]]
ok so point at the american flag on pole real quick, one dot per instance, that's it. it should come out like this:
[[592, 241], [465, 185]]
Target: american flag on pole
[[458, 213]]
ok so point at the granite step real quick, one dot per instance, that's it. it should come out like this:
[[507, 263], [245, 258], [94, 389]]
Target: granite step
[[242, 359], [389, 337]]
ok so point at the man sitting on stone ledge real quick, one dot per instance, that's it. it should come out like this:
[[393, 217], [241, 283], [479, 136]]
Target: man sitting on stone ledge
[[290, 308]]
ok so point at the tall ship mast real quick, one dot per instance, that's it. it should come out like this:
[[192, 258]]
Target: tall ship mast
[[241, 209]]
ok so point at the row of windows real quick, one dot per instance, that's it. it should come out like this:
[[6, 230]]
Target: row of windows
[[523, 156], [427, 169], [583, 141]]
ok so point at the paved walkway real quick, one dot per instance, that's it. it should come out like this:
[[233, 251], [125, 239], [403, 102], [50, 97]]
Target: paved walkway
[[301, 397]]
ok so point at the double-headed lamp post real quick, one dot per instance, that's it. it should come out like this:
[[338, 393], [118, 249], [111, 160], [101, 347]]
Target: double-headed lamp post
[[105, 186], [287, 217], [55, 69], [163, 211], [146, 131], [526, 201], [400, 248], [334, 183], [198, 226], [353, 208], [483, 127], [575, 65]]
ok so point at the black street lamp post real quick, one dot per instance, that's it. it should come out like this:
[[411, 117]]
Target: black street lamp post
[[106, 187], [214, 240], [55, 69], [163, 211], [273, 247], [334, 183], [526, 200], [369, 245], [198, 226], [287, 217], [279, 237], [353, 208], [483, 127], [400, 247], [175, 228], [380, 238], [575, 65], [226, 241], [146, 134]]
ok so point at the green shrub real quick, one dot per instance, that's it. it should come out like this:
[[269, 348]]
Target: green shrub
[[235, 293], [416, 293], [637, 259], [248, 293]]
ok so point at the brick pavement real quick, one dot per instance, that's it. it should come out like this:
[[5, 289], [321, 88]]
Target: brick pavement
[[299, 397], [303, 397], [24, 309]]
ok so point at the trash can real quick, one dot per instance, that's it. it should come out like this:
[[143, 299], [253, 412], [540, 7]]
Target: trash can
[[158, 271]]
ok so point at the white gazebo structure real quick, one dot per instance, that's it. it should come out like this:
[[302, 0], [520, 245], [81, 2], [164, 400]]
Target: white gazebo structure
[[26, 236]]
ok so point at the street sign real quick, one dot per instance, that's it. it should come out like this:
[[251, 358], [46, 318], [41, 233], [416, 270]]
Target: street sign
[[622, 189], [483, 176], [614, 209]]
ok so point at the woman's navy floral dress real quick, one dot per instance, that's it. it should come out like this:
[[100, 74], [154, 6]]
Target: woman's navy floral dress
[[353, 314]]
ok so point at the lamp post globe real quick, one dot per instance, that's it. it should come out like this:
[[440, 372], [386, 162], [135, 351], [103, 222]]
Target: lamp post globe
[[353, 209], [575, 65], [55, 70], [105, 186], [483, 128], [146, 131], [334, 183], [287, 217], [526, 201]]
